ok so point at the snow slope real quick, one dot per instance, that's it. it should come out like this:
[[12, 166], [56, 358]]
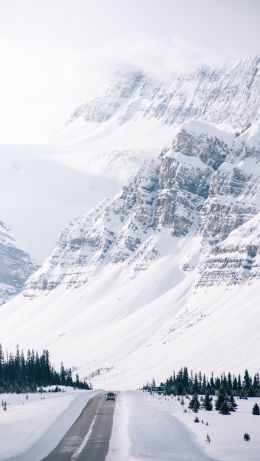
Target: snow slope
[[157, 428], [120, 331], [37, 424]]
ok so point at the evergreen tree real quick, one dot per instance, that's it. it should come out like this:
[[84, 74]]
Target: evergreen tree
[[184, 382], [229, 382], [239, 385], [232, 403], [195, 384], [235, 385], [220, 399], [194, 404], [224, 408], [20, 374], [251, 392], [207, 402], [247, 383], [256, 410]]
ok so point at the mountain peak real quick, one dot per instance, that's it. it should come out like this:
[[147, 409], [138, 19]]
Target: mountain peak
[[228, 96]]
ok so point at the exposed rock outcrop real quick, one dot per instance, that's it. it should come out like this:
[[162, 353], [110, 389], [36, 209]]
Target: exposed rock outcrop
[[16, 266]]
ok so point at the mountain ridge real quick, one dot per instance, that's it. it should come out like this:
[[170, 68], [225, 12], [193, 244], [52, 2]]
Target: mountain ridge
[[199, 178], [187, 96]]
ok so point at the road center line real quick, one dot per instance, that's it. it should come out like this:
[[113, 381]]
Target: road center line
[[86, 438]]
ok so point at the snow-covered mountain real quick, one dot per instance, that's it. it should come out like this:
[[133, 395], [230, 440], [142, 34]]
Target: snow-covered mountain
[[166, 272], [107, 139], [16, 266], [135, 116], [228, 95], [142, 274], [199, 186]]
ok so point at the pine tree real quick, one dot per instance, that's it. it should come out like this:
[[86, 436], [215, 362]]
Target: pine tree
[[256, 409], [207, 402], [224, 408], [220, 399], [232, 403], [20, 374], [256, 382], [185, 382], [194, 403], [251, 392], [239, 385], [195, 384], [235, 385], [229, 382], [247, 383]]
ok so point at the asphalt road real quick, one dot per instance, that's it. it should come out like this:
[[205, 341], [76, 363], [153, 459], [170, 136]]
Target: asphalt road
[[88, 438]]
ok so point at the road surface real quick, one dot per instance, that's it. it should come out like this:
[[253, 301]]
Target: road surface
[[88, 438]]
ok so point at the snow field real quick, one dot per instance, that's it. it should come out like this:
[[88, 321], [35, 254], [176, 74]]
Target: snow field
[[156, 428], [31, 428], [145, 429], [226, 431]]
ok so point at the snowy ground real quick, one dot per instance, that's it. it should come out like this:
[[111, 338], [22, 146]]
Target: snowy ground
[[37, 424], [156, 428], [144, 427]]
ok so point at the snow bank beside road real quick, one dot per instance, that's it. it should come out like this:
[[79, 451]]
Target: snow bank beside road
[[30, 429], [156, 428], [143, 428]]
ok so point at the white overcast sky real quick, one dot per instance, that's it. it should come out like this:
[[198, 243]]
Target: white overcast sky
[[56, 53]]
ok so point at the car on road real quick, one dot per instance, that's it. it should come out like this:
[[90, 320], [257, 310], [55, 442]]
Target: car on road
[[111, 396]]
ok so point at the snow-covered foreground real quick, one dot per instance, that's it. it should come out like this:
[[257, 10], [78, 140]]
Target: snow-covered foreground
[[31, 428], [156, 428]]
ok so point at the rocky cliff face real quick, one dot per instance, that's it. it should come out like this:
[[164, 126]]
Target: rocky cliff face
[[203, 185], [237, 259], [233, 195], [16, 266], [228, 95]]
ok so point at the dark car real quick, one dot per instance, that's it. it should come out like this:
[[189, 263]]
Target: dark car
[[111, 396]]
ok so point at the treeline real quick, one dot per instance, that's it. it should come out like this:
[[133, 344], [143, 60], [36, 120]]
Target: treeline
[[185, 382], [26, 373]]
